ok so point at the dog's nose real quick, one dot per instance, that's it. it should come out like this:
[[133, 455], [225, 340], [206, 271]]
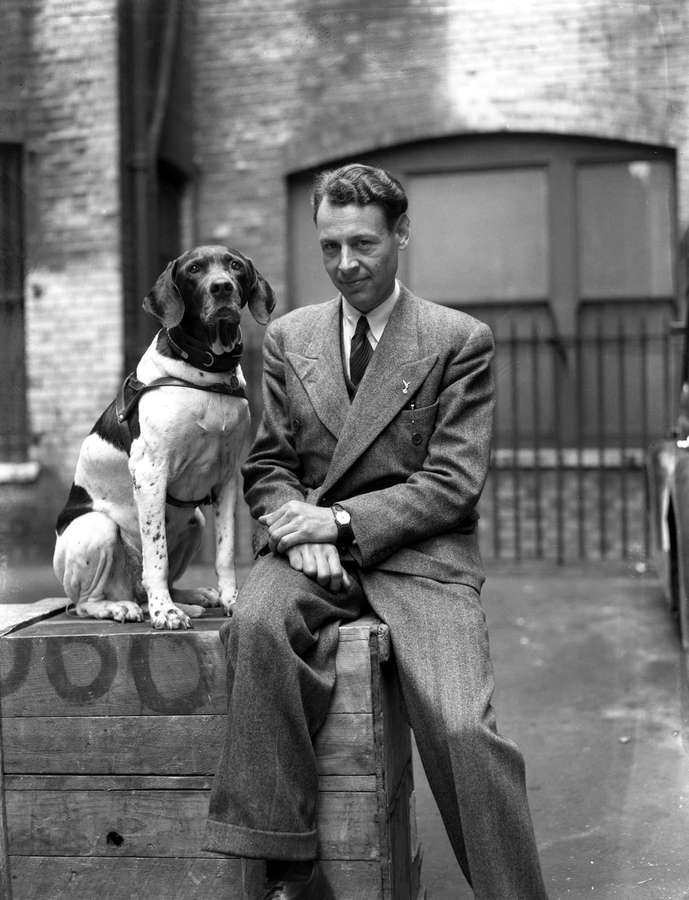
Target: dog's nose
[[221, 287]]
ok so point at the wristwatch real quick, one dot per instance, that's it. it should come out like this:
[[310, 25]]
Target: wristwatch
[[345, 535]]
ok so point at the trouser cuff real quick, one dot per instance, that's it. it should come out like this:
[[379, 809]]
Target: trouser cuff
[[236, 840]]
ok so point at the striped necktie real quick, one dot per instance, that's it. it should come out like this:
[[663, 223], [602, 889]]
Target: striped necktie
[[361, 351]]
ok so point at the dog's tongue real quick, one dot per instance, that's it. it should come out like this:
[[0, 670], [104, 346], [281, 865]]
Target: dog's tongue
[[226, 333], [221, 336]]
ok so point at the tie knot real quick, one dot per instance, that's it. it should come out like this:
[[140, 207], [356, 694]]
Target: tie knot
[[361, 326]]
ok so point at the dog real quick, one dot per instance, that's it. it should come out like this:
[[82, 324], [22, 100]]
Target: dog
[[167, 445]]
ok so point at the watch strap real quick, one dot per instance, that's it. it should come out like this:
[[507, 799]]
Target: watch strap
[[345, 535]]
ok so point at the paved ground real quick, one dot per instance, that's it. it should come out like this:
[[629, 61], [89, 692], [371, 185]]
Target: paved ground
[[591, 684]]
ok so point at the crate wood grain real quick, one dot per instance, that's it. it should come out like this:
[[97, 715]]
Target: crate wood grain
[[110, 736]]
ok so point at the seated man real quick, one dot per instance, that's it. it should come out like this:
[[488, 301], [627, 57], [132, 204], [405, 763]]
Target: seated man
[[364, 477]]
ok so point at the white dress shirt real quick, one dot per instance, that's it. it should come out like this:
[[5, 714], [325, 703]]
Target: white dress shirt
[[377, 320]]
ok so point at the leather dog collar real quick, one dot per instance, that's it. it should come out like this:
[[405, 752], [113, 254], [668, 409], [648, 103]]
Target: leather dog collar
[[177, 343]]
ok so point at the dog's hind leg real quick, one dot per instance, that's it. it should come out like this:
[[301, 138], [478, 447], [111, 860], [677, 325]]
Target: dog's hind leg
[[89, 561]]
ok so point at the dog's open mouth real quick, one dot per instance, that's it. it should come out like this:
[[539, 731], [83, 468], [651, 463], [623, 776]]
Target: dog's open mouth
[[222, 335]]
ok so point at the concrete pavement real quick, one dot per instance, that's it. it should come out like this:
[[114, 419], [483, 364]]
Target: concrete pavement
[[590, 683]]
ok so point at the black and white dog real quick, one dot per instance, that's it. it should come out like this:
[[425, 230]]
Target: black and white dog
[[167, 445]]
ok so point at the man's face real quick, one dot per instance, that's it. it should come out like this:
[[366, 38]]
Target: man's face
[[360, 253]]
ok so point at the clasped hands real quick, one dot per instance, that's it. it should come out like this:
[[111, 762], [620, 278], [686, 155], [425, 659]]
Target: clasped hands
[[307, 536]]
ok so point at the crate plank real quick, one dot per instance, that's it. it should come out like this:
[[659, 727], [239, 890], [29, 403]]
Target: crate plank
[[69, 878], [118, 674], [344, 745], [172, 745], [63, 782], [161, 823], [96, 672], [76, 878]]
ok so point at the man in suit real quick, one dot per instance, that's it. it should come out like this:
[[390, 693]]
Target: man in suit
[[364, 478]]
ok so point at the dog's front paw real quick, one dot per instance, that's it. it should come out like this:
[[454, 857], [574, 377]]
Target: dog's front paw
[[118, 610], [168, 617], [127, 611]]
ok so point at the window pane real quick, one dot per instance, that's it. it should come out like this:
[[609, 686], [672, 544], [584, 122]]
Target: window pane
[[13, 424], [479, 236], [625, 229]]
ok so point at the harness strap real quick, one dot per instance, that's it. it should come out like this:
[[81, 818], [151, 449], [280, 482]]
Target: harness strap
[[127, 403]]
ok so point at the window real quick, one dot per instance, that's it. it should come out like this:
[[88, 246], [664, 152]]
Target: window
[[625, 229], [13, 431], [487, 232]]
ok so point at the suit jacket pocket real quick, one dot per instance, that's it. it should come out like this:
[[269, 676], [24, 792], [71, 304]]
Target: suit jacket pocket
[[413, 430]]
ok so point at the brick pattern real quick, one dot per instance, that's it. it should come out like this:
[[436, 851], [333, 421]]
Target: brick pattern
[[73, 285], [303, 83]]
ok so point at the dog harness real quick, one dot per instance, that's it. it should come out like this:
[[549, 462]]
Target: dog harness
[[126, 413]]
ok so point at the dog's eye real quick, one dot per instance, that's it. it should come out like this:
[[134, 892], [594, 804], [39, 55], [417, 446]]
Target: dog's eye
[[194, 268], [236, 265]]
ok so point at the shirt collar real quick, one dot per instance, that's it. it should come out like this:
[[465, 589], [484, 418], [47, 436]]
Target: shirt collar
[[378, 317]]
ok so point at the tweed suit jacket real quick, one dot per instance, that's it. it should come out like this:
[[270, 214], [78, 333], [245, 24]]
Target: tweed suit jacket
[[407, 457]]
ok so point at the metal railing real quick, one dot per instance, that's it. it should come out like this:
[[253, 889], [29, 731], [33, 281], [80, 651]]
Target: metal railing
[[574, 419]]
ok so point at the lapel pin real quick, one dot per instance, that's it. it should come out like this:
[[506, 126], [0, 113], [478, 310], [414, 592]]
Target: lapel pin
[[405, 389]]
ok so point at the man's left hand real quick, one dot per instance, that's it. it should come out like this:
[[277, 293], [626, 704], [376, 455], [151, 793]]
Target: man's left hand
[[296, 522]]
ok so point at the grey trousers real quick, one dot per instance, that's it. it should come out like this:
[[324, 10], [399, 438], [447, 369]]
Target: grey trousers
[[280, 648]]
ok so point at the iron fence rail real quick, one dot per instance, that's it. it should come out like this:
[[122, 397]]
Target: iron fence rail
[[574, 418]]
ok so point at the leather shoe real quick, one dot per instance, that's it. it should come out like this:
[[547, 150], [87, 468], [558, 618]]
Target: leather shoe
[[316, 887]]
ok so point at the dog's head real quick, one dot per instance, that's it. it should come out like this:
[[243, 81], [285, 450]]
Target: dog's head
[[209, 286]]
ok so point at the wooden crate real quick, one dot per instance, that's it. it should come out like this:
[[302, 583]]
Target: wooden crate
[[110, 734]]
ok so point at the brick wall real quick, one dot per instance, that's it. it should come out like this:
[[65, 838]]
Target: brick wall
[[58, 98], [73, 284], [294, 84]]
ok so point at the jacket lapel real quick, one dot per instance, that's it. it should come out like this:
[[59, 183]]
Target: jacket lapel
[[393, 376], [319, 369]]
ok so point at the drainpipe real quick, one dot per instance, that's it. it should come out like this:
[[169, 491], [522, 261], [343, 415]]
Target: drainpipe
[[140, 160], [167, 55], [146, 131]]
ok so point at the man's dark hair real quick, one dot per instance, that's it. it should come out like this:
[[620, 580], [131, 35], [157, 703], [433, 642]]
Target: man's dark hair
[[360, 184]]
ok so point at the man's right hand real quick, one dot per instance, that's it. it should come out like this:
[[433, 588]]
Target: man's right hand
[[320, 562]]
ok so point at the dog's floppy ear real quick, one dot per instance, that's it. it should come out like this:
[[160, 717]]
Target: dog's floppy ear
[[261, 299], [164, 300]]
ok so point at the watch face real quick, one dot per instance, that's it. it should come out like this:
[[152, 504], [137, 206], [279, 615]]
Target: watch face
[[342, 516]]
